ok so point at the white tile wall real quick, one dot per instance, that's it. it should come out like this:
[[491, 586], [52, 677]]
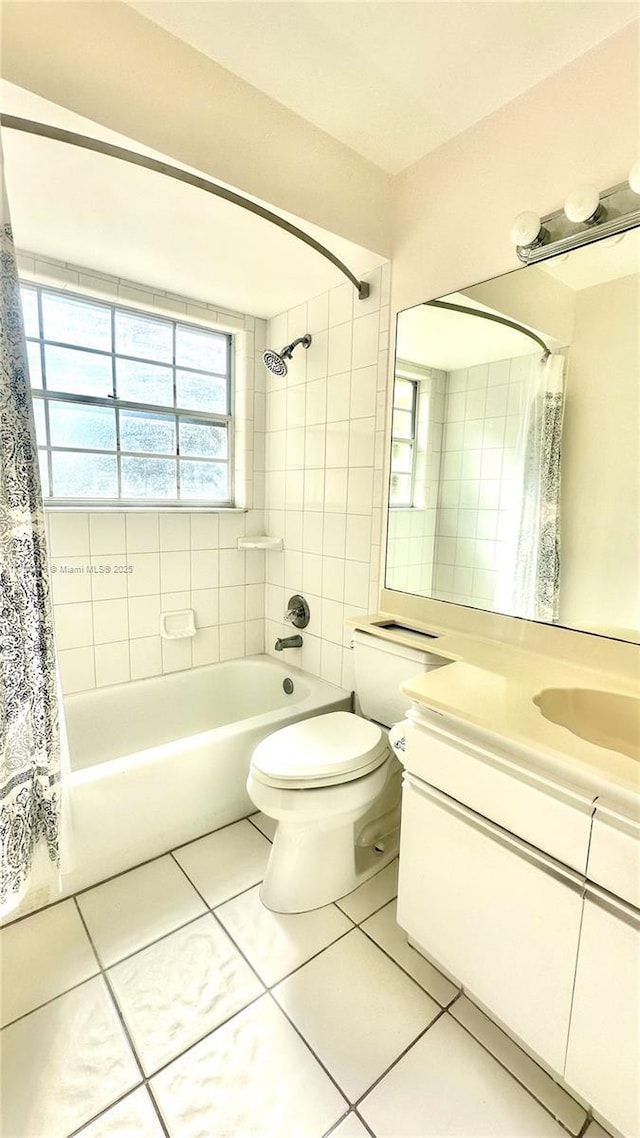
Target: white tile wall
[[477, 471], [453, 548], [324, 485], [308, 448], [108, 624]]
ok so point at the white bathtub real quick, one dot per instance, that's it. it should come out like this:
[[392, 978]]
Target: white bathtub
[[158, 762]]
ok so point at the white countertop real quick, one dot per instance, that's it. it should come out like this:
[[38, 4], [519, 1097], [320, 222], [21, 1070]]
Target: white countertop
[[490, 685]]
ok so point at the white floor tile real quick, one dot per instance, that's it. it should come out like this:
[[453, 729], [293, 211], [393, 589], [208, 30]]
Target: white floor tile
[[225, 863], [276, 943], [134, 1117], [64, 1063], [357, 1010], [268, 826], [41, 957], [448, 1086], [524, 1069], [350, 1128], [254, 1076], [180, 988], [136, 908], [386, 932], [372, 895]]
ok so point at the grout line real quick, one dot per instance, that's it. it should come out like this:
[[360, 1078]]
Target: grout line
[[156, 1107], [515, 1077], [53, 999], [407, 973], [113, 998], [334, 1127], [201, 1038], [151, 943], [374, 911], [374, 1084], [122, 872], [256, 827], [310, 1048], [363, 1122]]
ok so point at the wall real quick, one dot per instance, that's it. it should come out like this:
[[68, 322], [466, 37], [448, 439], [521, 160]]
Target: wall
[[324, 460], [453, 209], [107, 623], [601, 503], [107, 62]]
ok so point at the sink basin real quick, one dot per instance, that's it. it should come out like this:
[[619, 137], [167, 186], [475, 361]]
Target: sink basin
[[605, 718]]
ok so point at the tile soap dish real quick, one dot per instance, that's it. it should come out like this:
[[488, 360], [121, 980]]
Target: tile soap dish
[[178, 624], [261, 542]]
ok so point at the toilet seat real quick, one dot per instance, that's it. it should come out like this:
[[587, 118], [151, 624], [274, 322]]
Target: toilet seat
[[321, 751]]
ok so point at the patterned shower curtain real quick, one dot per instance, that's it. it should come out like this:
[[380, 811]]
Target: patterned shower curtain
[[29, 734], [535, 590]]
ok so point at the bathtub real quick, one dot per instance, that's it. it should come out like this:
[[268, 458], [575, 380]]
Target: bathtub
[[158, 762]]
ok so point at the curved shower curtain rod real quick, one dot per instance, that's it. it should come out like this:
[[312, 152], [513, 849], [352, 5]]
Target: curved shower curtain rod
[[28, 126], [489, 316]]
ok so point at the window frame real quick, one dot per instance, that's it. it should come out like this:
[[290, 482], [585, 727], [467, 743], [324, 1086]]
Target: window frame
[[173, 412], [412, 441]]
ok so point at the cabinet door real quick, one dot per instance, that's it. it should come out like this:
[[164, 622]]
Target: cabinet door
[[603, 1059], [496, 915]]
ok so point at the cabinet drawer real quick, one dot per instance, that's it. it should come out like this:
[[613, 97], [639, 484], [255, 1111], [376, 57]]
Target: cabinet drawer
[[614, 855], [551, 818], [496, 915]]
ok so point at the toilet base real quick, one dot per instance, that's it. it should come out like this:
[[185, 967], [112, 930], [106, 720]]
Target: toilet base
[[308, 870]]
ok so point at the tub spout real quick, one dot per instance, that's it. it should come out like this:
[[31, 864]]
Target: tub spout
[[288, 642]]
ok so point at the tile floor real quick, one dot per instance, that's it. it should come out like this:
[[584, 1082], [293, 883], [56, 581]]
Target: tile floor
[[169, 1002]]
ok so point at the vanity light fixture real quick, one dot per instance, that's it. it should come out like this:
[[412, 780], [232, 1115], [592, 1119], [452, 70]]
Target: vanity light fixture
[[583, 205], [587, 216], [527, 231]]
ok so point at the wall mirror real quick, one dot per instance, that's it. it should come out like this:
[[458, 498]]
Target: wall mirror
[[515, 464]]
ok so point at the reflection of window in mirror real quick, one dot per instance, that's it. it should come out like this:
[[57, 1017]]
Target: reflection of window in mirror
[[419, 392], [403, 437]]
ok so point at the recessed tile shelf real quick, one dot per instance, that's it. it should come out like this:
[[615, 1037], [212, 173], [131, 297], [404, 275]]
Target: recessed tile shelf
[[273, 543]]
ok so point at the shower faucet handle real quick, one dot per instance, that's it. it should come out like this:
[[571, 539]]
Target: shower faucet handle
[[297, 611]]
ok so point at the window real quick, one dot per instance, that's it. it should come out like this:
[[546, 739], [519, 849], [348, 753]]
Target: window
[[403, 440], [130, 407]]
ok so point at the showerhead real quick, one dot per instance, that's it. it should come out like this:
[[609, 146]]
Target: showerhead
[[276, 361]]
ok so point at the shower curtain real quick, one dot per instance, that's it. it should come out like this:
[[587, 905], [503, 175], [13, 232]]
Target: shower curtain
[[536, 572], [29, 733]]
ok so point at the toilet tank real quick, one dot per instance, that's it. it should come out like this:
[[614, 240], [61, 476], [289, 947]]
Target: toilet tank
[[380, 667]]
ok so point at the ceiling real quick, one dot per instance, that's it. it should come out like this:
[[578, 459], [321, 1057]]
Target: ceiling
[[106, 215], [391, 79], [383, 77]]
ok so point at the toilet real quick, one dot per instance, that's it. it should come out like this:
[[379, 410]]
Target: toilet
[[332, 783]]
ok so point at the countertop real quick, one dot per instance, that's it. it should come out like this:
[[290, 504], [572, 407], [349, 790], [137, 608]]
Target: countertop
[[490, 685]]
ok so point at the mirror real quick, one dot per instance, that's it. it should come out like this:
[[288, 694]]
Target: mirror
[[515, 464]]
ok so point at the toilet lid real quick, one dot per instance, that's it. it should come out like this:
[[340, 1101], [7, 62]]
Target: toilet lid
[[324, 747]]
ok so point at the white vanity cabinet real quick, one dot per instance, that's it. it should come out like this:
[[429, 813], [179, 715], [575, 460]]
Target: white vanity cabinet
[[499, 917], [603, 1058], [527, 893]]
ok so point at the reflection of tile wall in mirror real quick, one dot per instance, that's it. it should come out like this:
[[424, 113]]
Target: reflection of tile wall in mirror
[[457, 540]]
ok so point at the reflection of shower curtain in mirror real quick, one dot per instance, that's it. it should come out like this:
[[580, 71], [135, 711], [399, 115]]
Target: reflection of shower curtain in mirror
[[29, 733], [534, 585]]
